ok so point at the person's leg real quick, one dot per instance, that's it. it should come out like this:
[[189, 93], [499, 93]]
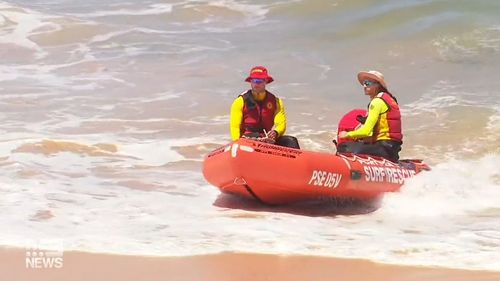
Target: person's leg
[[350, 147], [288, 141], [375, 149], [392, 149]]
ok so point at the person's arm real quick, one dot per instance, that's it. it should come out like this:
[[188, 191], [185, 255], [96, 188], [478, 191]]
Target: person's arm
[[377, 107], [236, 118], [280, 118]]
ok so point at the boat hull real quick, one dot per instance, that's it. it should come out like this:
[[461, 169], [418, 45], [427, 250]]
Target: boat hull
[[279, 175]]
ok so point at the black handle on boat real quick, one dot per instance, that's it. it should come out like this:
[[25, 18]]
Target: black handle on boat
[[361, 119]]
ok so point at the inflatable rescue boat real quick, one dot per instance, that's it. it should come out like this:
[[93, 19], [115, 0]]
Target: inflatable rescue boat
[[276, 175]]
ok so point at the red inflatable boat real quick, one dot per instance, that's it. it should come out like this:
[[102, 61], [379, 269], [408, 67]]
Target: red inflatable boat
[[280, 175], [276, 174]]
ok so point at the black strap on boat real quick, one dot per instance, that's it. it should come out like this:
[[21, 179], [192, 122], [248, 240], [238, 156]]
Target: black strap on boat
[[249, 189]]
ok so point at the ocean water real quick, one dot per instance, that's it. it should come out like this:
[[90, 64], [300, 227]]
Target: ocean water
[[108, 108]]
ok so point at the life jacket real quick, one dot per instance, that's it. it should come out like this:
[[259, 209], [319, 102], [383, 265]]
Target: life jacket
[[258, 116], [388, 126]]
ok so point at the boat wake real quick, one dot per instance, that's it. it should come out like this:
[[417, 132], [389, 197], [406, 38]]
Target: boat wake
[[453, 188]]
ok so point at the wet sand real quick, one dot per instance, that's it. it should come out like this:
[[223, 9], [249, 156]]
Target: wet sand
[[225, 266]]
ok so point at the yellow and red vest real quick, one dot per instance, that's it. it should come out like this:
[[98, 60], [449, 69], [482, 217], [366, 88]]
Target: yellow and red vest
[[258, 116], [389, 123]]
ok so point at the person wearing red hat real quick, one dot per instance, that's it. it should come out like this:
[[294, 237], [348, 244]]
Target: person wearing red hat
[[381, 132], [257, 113]]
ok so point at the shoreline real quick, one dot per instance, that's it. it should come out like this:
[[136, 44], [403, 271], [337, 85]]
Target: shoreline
[[225, 266]]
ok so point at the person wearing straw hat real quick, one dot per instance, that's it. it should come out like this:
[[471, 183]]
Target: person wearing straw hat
[[257, 113], [382, 126]]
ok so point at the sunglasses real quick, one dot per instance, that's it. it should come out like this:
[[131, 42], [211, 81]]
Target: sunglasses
[[258, 81], [369, 83]]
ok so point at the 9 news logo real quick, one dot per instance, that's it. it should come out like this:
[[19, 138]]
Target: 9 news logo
[[44, 254]]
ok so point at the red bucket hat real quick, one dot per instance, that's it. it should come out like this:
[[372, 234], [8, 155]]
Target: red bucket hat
[[259, 72]]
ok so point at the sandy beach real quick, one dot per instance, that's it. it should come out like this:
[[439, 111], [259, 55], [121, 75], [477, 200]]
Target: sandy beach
[[225, 266]]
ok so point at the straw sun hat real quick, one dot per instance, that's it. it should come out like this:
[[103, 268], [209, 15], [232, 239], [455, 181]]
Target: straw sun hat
[[372, 75]]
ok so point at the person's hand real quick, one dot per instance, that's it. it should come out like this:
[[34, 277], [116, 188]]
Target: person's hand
[[272, 135], [253, 136], [267, 140], [342, 134]]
